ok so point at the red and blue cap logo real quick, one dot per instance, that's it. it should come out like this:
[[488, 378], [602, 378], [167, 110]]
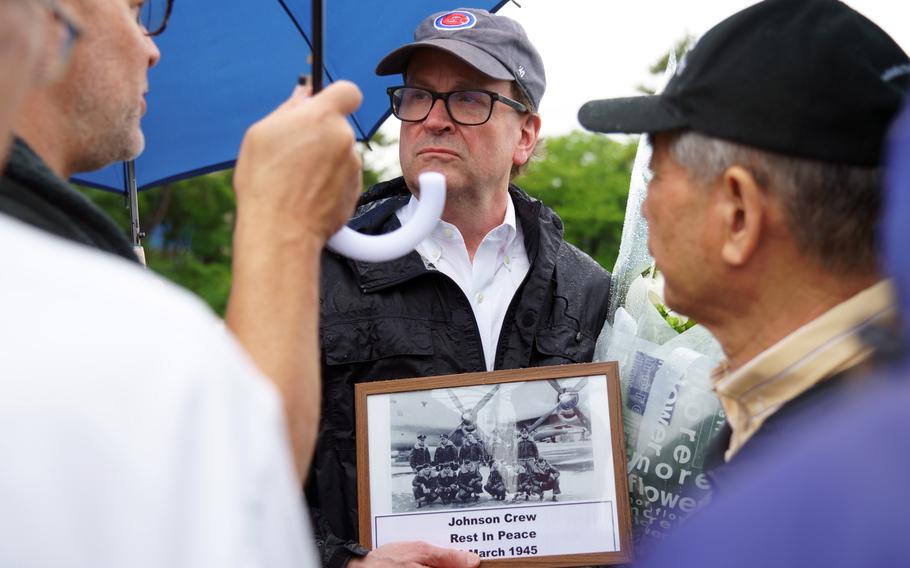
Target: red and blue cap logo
[[459, 20]]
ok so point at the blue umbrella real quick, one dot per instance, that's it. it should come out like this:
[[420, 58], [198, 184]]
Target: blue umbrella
[[227, 63]]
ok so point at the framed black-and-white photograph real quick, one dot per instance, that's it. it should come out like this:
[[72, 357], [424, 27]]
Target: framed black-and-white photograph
[[522, 466]]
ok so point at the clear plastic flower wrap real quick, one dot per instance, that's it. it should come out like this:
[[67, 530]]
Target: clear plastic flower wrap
[[670, 412]]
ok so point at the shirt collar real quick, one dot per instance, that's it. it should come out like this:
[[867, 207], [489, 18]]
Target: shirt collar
[[509, 225], [820, 349], [446, 232]]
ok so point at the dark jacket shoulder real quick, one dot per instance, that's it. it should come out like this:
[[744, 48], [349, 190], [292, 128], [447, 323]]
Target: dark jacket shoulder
[[33, 194]]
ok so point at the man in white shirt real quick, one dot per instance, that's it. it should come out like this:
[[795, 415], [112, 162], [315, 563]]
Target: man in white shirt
[[295, 186], [135, 431], [495, 286]]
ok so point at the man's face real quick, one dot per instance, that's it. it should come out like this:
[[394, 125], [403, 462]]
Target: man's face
[[473, 158], [680, 231], [24, 33], [103, 92]]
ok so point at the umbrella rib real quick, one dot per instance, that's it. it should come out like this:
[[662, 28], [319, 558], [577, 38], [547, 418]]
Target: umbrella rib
[[297, 25], [328, 73], [363, 135]]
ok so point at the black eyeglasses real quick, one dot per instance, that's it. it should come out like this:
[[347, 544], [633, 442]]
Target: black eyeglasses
[[153, 15], [469, 108]]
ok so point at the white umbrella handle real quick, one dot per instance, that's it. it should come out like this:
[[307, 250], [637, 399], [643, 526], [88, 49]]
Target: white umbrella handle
[[382, 248]]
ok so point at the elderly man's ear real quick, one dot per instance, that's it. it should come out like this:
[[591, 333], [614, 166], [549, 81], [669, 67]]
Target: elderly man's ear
[[745, 209]]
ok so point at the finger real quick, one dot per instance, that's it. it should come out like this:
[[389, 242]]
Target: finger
[[302, 92], [341, 96], [299, 95], [448, 558]]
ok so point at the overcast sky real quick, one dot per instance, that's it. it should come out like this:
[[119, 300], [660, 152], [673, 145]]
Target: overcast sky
[[603, 48]]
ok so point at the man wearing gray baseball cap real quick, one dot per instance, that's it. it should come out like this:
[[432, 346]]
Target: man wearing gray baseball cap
[[494, 287]]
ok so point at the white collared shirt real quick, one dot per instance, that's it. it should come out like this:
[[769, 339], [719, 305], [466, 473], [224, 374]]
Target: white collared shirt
[[500, 266], [161, 445]]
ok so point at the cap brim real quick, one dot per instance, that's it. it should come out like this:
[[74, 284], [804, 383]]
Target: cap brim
[[397, 61], [630, 115]]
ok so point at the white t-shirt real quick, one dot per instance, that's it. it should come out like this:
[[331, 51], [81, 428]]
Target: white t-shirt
[[133, 432], [490, 282]]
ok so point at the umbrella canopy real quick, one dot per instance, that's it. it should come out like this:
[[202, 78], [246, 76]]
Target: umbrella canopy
[[227, 63]]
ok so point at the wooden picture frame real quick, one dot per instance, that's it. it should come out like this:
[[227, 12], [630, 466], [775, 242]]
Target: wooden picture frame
[[586, 519]]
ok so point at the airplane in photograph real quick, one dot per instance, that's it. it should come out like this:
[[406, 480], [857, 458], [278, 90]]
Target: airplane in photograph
[[564, 418], [455, 411], [468, 423]]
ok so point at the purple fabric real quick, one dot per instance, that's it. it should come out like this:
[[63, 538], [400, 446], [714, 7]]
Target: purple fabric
[[834, 496], [895, 231]]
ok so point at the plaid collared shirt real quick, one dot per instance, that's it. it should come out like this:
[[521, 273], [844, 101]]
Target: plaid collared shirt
[[822, 348]]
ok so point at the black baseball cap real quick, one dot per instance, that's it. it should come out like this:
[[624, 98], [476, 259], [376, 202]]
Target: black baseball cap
[[496, 46], [806, 78]]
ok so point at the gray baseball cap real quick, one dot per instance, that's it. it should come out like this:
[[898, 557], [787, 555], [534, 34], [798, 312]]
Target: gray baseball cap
[[496, 46]]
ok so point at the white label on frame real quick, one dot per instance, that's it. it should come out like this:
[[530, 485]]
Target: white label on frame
[[532, 530]]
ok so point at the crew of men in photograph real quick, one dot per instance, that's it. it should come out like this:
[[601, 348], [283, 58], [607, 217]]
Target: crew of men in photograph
[[452, 474]]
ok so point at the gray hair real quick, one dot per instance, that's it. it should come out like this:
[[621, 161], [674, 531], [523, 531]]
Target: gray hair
[[831, 209]]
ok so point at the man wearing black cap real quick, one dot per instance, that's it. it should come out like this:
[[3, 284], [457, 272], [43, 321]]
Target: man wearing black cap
[[494, 287], [764, 198], [870, 427]]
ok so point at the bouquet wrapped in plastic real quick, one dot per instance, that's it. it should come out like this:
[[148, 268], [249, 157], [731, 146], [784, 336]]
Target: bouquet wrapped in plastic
[[670, 412]]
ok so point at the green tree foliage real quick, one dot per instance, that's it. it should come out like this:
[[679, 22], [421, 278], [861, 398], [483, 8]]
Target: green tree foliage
[[372, 174], [188, 226], [585, 178]]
